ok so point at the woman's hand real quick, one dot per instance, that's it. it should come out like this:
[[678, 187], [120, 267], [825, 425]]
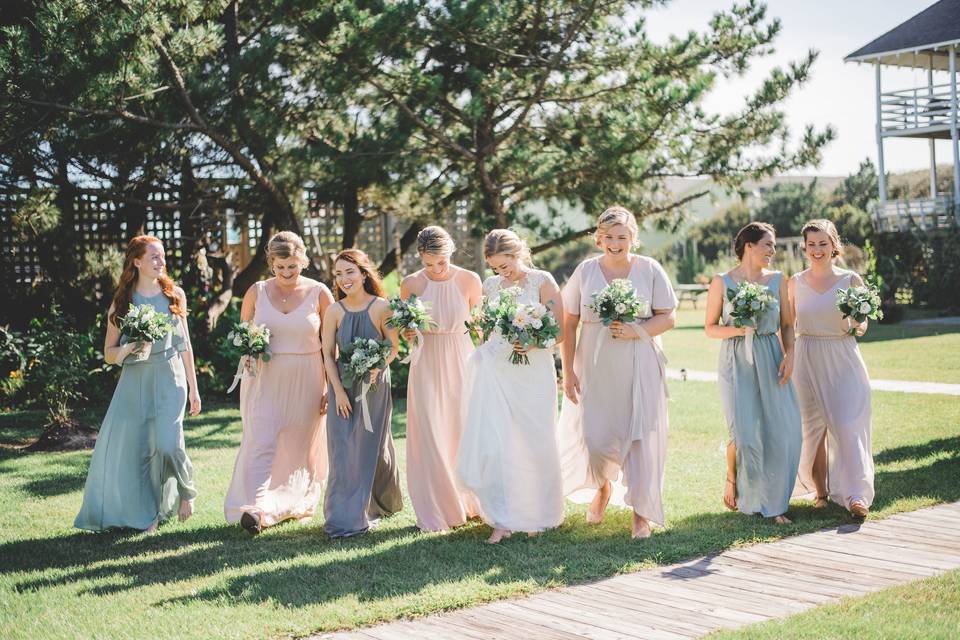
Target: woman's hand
[[861, 329], [623, 331], [571, 387], [323, 404], [344, 408], [786, 368], [409, 335], [194, 402], [375, 375]]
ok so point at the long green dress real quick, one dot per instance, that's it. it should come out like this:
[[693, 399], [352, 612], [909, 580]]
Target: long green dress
[[140, 470], [762, 415]]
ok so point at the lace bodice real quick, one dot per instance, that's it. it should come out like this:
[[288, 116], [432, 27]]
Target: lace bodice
[[529, 291]]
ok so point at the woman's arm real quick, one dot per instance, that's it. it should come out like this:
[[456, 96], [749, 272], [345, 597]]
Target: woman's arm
[[328, 343], [390, 333], [113, 351], [473, 289], [857, 281], [662, 321], [193, 393], [787, 330], [711, 323], [248, 307], [550, 298]]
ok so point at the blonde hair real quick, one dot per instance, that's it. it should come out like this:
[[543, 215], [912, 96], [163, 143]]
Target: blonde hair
[[506, 242], [824, 226], [435, 241], [284, 245], [611, 217]]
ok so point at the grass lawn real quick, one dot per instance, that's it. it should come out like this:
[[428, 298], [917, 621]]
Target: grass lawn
[[205, 579], [892, 352], [922, 610]]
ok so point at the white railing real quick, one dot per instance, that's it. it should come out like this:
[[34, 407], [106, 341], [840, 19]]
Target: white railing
[[916, 108], [924, 214]]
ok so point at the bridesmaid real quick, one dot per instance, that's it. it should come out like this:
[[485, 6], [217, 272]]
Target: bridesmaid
[[831, 380], [614, 415], [140, 473], [759, 402], [282, 460], [435, 385], [364, 481], [508, 458]]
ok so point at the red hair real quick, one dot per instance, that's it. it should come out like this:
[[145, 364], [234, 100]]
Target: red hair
[[372, 283], [123, 297]]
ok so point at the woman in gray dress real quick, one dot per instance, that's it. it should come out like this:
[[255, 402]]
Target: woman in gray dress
[[363, 483], [759, 402], [140, 474]]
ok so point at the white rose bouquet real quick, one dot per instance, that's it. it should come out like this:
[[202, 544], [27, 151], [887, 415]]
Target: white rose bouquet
[[357, 359], [411, 314], [253, 340], [859, 304], [748, 302], [144, 324], [529, 325]]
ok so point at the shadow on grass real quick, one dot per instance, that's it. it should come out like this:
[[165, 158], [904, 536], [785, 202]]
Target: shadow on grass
[[885, 332], [950, 446]]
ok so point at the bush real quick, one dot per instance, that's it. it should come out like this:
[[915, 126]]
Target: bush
[[920, 268]]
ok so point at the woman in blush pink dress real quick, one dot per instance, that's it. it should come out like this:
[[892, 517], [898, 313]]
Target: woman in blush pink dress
[[831, 381], [614, 417], [282, 461], [435, 384]]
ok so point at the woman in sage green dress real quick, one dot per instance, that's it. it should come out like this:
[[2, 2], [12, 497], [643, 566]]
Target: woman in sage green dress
[[759, 403], [140, 474]]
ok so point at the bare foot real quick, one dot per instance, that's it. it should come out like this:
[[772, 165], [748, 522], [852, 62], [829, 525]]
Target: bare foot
[[730, 494], [533, 534], [820, 502], [641, 527], [498, 535], [782, 519], [599, 505], [185, 510], [153, 526], [859, 509]]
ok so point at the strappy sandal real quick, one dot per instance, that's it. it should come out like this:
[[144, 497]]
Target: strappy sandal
[[819, 499], [858, 509]]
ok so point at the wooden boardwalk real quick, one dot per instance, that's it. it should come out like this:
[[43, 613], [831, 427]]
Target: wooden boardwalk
[[730, 589]]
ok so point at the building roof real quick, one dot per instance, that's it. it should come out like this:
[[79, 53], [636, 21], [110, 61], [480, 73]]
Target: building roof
[[918, 42]]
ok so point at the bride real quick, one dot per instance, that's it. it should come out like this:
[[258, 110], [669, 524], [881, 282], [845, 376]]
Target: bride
[[508, 455]]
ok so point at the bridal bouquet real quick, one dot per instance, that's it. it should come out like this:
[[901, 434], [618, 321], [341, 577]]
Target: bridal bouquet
[[529, 325], [859, 303], [358, 359], [413, 314], [748, 302], [253, 340], [146, 325], [619, 302]]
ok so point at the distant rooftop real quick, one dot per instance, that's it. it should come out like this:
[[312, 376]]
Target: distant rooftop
[[912, 44]]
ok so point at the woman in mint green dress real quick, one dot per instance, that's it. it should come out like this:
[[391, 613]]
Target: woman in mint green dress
[[140, 473], [759, 403]]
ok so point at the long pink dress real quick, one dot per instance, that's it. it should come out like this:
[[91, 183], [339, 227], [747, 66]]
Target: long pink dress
[[434, 417], [282, 462], [834, 393], [619, 428]]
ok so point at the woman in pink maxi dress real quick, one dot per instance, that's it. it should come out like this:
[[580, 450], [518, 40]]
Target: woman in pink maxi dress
[[435, 384], [831, 381]]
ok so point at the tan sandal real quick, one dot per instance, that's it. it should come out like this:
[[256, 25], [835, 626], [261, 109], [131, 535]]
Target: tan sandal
[[821, 502]]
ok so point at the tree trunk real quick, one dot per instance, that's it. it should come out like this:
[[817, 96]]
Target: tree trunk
[[351, 217], [258, 263], [389, 263]]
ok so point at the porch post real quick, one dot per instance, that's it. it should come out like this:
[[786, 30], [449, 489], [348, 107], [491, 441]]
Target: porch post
[[880, 165], [932, 140], [953, 127]]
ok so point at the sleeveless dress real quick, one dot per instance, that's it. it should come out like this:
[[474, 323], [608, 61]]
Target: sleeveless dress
[[834, 392], [435, 390], [140, 470], [363, 483], [762, 415], [508, 458], [619, 428], [282, 461]]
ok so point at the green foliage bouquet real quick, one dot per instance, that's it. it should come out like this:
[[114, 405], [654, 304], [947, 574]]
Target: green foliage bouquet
[[859, 304], [748, 302], [619, 302], [527, 325], [411, 314], [253, 341], [145, 325]]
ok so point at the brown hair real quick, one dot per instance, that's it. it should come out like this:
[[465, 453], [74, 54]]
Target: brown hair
[[435, 241], [286, 244], [372, 283], [123, 296], [824, 226], [751, 233], [611, 217], [507, 242]]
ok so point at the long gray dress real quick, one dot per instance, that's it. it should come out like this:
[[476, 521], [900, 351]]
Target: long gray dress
[[363, 482], [762, 415], [140, 470]]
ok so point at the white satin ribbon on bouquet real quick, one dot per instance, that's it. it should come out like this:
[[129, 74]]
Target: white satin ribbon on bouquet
[[414, 356], [242, 371], [364, 407], [748, 343]]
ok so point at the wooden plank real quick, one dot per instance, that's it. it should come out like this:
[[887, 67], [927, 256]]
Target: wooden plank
[[871, 548], [549, 621], [605, 622], [722, 584], [832, 588], [930, 519], [720, 606], [704, 593], [864, 560], [654, 614], [901, 527], [518, 625], [827, 557], [912, 544], [455, 626], [812, 567]]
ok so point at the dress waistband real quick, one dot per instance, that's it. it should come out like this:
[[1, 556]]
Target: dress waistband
[[282, 353], [823, 336], [445, 333]]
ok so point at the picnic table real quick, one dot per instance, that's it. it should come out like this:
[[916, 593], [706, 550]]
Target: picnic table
[[690, 292]]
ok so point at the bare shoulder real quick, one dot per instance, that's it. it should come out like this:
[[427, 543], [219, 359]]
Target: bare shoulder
[[855, 279], [179, 293], [414, 283], [467, 277]]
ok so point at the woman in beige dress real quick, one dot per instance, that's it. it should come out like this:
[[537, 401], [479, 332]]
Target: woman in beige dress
[[831, 380], [435, 384], [282, 461], [613, 422]]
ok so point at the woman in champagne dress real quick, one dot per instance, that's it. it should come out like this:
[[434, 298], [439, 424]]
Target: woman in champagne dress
[[613, 422], [282, 461], [435, 385], [831, 380]]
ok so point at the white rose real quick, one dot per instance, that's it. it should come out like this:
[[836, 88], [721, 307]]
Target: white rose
[[865, 307], [621, 308], [536, 323], [412, 325], [237, 341], [755, 305], [549, 342]]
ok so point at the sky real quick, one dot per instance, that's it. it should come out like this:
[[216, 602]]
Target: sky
[[839, 93]]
